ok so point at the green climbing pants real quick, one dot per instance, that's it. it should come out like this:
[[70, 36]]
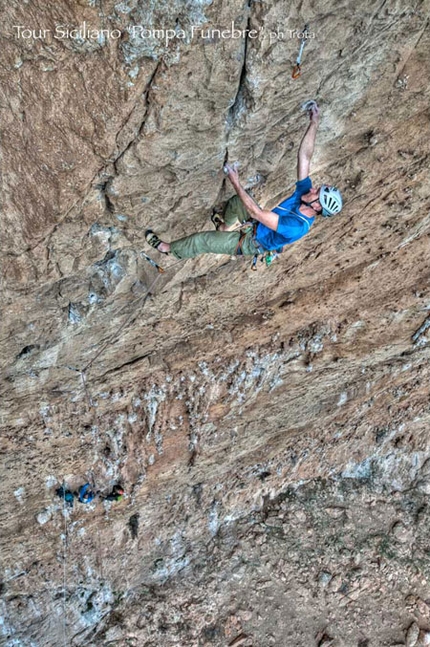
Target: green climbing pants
[[218, 242]]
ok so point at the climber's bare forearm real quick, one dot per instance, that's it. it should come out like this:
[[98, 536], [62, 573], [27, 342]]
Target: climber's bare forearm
[[306, 151], [267, 218], [307, 145]]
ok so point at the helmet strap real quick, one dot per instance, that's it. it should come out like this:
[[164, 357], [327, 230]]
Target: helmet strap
[[309, 204]]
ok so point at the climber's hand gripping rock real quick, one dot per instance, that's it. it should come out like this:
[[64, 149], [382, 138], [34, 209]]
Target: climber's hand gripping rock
[[314, 114]]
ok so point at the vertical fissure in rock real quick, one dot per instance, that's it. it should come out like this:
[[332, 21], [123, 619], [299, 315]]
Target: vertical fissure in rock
[[147, 102], [104, 188], [147, 96], [242, 98], [222, 187]]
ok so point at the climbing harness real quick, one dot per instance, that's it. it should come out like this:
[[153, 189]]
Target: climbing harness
[[153, 263], [297, 69], [264, 255], [239, 250]]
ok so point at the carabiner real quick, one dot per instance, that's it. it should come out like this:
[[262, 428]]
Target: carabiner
[[296, 72]]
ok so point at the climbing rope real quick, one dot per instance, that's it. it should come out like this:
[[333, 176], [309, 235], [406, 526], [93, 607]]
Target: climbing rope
[[65, 542]]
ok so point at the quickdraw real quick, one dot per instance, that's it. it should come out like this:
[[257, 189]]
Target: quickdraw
[[297, 70], [151, 262], [267, 258]]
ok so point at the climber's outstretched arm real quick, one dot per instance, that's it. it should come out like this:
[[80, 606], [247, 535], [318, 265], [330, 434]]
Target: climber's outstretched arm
[[307, 145], [268, 218]]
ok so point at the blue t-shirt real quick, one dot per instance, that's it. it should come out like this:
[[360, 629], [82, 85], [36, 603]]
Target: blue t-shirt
[[291, 226]]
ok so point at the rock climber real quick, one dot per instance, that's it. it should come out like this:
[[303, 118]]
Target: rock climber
[[116, 495], [269, 230]]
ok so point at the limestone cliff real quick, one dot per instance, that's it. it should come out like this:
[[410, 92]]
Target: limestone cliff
[[270, 428]]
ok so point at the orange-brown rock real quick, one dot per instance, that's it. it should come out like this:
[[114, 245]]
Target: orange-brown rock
[[237, 408]]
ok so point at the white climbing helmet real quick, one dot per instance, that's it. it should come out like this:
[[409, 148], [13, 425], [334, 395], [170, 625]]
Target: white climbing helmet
[[330, 200]]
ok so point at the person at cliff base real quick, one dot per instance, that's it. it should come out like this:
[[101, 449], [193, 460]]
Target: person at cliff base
[[269, 230], [86, 493], [117, 493]]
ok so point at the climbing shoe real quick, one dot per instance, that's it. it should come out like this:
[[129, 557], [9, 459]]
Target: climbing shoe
[[217, 220], [153, 240]]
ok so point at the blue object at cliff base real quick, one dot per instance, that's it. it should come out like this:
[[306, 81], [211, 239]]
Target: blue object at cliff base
[[66, 495], [86, 494]]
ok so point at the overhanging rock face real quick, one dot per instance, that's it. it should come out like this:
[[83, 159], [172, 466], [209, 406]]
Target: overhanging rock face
[[240, 410]]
